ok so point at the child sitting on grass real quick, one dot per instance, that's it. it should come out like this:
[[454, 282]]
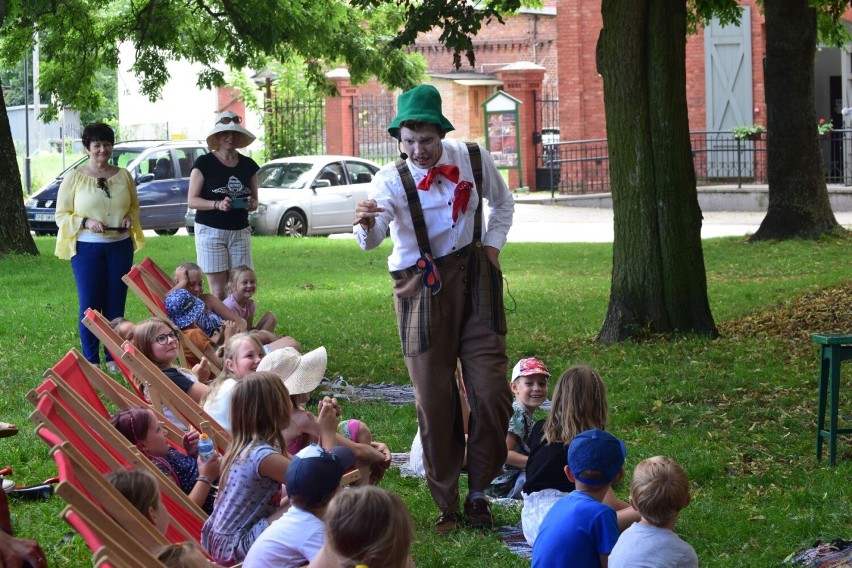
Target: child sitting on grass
[[366, 526], [295, 539], [301, 375], [529, 384], [243, 284], [255, 466], [659, 490], [579, 403], [580, 530]]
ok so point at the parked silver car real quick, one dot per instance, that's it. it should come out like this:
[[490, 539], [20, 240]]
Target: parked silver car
[[310, 195]]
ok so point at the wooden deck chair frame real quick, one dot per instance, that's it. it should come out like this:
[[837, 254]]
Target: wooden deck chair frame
[[100, 328], [99, 532], [67, 372], [136, 282], [156, 277], [105, 444], [163, 391], [91, 485]]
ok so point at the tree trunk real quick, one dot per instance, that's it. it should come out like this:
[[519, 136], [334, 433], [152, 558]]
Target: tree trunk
[[798, 197], [658, 277], [15, 237]]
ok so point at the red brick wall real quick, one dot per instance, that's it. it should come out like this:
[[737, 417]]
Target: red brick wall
[[581, 109], [581, 90], [524, 37], [229, 99]]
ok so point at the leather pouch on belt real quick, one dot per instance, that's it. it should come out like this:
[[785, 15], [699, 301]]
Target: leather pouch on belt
[[416, 314], [486, 281]]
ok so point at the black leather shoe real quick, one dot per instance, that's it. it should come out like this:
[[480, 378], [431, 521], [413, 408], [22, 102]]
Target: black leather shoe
[[477, 513], [448, 522]]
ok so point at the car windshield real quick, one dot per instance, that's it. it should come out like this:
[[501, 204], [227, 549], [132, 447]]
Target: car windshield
[[294, 175], [121, 157]]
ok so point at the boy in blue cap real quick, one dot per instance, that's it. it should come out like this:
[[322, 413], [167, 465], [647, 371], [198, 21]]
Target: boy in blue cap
[[580, 531], [312, 479]]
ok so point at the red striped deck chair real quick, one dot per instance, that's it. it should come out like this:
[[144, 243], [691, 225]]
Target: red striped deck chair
[[107, 450]]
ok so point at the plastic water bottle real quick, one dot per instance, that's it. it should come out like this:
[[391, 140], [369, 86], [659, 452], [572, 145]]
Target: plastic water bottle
[[206, 449]]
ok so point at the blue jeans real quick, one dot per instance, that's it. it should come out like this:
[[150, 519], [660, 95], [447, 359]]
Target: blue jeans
[[98, 268]]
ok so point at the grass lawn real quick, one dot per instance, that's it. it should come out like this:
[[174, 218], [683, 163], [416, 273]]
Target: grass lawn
[[44, 168], [738, 412]]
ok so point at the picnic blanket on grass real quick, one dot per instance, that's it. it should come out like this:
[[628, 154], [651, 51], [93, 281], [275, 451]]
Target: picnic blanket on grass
[[834, 554]]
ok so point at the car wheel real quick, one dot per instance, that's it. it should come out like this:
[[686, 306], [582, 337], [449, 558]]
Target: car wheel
[[293, 224], [166, 232]]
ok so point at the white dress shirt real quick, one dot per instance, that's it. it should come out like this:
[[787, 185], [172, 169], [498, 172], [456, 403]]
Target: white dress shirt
[[445, 235]]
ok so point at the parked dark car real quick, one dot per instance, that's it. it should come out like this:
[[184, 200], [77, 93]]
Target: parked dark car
[[161, 170]]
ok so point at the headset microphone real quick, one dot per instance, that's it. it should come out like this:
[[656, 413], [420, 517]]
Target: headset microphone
[[402, 155]]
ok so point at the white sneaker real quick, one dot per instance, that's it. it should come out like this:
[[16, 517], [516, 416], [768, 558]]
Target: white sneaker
[[113, 367]]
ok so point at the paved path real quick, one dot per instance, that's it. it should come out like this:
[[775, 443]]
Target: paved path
[[553, 223], [548, 223]]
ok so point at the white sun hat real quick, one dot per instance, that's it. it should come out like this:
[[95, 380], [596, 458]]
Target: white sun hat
[[229, 121], [300, 373]]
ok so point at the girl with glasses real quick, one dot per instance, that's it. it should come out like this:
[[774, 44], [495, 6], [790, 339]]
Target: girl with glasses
[[156, 340], [97, 216]]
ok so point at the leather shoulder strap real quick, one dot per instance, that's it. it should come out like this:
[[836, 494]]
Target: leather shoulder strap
[[476, 166], [414, 206]]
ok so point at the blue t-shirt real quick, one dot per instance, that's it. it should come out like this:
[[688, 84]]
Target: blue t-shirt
[[576, 531]]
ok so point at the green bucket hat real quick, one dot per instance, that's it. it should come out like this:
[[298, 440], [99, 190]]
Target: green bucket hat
[[420, 103]]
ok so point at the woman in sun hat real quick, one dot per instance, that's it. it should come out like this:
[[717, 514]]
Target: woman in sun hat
[[302, 374], [222, 190]]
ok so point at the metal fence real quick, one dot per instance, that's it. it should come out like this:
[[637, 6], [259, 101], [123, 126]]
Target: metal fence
[[719, 158], [294, 127], [373, 114]]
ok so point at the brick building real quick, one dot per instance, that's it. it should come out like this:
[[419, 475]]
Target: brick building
[[549, 54]]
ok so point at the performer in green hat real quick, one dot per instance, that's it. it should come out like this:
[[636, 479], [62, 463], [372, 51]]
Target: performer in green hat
[[448, 291]]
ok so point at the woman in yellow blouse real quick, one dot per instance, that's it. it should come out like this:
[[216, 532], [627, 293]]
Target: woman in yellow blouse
[[97, 213]]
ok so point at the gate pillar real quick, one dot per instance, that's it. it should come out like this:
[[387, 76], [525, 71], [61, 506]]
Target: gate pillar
[[341, 134]]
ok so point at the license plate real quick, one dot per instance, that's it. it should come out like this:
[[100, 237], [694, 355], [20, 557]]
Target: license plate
[[44, 217]]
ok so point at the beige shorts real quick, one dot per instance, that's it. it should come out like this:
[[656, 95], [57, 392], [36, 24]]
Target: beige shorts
[[219, 250]]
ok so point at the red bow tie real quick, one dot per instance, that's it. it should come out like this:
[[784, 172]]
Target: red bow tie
[[449, 171]]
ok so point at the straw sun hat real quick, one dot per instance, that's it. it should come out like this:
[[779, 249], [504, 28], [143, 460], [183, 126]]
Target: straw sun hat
[[300, 373], [242, 137]]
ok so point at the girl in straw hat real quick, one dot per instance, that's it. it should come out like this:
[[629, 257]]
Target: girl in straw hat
[[222, 190], [302, 374]]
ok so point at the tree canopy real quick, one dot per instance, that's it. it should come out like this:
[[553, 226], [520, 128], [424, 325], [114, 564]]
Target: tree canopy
[[79, 38]]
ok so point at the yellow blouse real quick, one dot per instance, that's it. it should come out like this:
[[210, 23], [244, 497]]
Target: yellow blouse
[[80, 197]]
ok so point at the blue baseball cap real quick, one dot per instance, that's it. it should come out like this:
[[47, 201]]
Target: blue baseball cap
[[315, 473], [596, 450]]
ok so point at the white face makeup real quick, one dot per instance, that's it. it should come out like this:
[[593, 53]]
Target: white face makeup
[[423, 145]]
